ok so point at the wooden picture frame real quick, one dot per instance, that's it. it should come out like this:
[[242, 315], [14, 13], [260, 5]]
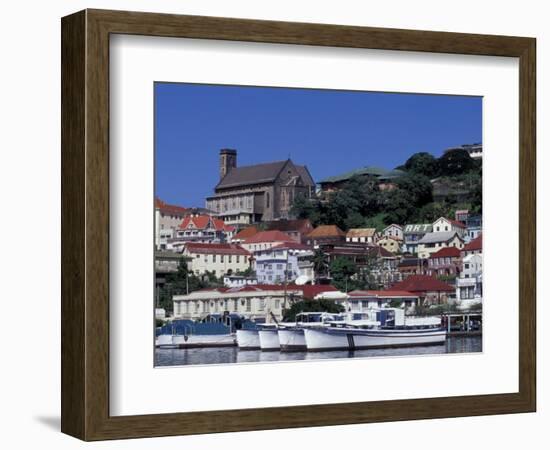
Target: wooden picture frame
[[85, 224]]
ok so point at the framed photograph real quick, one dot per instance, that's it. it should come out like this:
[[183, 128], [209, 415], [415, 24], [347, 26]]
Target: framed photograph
[[273, 225]]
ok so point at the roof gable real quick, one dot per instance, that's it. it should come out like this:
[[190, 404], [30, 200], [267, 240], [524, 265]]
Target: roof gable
[[326, 231]]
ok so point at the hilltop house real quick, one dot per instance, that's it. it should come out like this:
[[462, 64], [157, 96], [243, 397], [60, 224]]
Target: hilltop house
[[433, 242], [469, 287], [362, 235], [219, 259], [244, 234], [473, 227], [412, 266], [167, 218], [412, 234], [443, 224], [390, 244], [384, 177], [260, 192], [325, 234], [393, 231]]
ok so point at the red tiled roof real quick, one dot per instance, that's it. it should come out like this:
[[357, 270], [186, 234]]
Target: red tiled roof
[[269, 236], [201, 222], [300, 225], [310, 291], [388, 293], [217, 249], [170, 209], [457, 223], [422, 283], [476, 244], [246, 233], [451, 252], [326, 231]]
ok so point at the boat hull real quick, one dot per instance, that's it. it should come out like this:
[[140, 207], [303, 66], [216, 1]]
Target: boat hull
[[168, 341], [292, 340], [344, 339], [248, 339], [269, 339]]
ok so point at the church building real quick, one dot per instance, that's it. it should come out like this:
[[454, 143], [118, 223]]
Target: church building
[[257, 193]]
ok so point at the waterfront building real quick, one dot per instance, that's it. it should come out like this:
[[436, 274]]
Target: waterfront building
[[433, 242], [443, 224], [390, 244], [473, 247], [445, 262], [238, 280], [260, 192], [361, 301], [219, 259], [324, 235], [259, 302], [281, 263], [264, 240], [412, 233], [362, 235], [297, 229], [429, 289], [393, 231], [385, 178]]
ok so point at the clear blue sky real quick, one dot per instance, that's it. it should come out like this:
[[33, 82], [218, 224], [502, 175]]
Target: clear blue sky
[[329, 131]]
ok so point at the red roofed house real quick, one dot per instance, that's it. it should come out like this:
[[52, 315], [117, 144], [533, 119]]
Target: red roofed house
[[297, 229], [219, 259], [443, 224], [244, 234], [446, 261], [359, 301], [202, 228], [429, 289], [474, 247], [265, 240]]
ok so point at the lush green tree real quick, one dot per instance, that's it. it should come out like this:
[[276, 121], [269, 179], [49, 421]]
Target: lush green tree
[[311, 306], [342, 270], [320, 263], [423, 163], [455, 162], [378, 221]]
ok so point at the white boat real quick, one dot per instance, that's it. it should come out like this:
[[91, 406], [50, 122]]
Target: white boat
[[291, 335], [166, 341], [248, 339], [269, 337], [391, 331]]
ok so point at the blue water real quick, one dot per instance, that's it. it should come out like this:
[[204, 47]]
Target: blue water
[[231, 355]]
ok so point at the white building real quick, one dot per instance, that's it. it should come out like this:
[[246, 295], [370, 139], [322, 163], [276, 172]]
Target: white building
[[469, 287], [238, 281], [393, 231], [362, 301], [167, 219], [284, 262], [362, 235], [433, 242], [443, 224], [219, 259]]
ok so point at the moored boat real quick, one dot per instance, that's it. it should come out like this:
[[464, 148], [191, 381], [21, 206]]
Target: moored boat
[[248, 339], [291, 335], [390, 330], [269, 337]]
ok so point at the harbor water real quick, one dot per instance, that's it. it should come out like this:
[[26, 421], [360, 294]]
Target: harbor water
[[231, 355]]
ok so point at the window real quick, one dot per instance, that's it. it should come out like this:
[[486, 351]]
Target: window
[[221, 258], [213, 258], [238, 258], [277, 304], [229, 259], [248, 305], [267, 199]]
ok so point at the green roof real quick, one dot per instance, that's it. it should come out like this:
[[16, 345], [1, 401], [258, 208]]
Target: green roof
[[379, 172]]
